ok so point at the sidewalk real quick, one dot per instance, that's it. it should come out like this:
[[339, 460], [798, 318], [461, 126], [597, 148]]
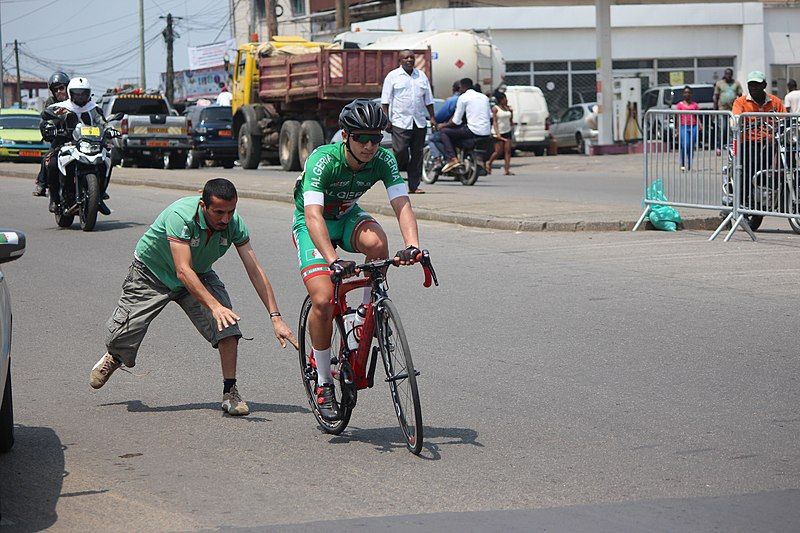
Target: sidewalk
[[495, 201]]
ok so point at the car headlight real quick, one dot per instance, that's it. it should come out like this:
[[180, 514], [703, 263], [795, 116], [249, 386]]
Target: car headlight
[[6, 142], [88, 148]]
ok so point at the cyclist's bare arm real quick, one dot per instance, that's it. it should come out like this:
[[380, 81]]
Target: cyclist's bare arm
[[182, 257], [319, 232], [406, 219]]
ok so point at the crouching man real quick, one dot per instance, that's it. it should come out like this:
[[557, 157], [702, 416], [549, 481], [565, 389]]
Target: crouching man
[[172, 262]]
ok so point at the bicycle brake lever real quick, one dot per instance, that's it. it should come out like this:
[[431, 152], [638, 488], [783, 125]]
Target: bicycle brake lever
[[427, 268]]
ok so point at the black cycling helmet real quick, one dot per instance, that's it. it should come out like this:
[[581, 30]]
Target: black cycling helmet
[[56, 79], [362, 114]]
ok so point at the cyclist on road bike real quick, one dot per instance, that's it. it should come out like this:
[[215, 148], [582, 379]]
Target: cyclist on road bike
[[327, 215]]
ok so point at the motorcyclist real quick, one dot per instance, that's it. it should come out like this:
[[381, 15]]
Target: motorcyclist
[[78, 108], [58, 93]]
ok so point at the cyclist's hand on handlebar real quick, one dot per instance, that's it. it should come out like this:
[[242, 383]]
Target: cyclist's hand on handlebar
[[409, 256], [342, 269]]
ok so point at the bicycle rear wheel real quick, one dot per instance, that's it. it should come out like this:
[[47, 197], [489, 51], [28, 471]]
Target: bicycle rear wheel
[[308, 373], [401, 375]]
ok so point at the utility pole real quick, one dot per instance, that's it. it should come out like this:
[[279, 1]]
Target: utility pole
[[19, 80], [342, 15], [272, 20], [142, 77], [169, 37], [2, 78]]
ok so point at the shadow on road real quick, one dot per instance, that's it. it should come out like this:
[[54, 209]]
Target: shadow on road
[[391, 439], [137, 406], [31, 475]]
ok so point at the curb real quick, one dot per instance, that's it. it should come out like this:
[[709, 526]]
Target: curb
[[474, 221]]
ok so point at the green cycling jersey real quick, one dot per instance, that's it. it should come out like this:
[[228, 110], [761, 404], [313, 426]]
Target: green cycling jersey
[[328, 180]]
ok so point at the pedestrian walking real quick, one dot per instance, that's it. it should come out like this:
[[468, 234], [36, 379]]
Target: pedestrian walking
[[792, 100], [407, 99], [502, 128], [688, 128], [173, 263], [726, 91], [225, 97]]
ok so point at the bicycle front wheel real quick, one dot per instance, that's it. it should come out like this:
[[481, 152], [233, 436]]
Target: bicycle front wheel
[[401, 375]]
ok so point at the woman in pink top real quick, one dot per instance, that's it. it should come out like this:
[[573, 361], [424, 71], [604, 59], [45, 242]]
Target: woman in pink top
[[688, 128]]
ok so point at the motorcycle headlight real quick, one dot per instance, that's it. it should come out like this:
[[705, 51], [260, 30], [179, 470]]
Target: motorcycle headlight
[[88, 148]]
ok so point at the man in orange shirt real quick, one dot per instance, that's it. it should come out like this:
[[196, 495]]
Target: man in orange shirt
[[756, 146]]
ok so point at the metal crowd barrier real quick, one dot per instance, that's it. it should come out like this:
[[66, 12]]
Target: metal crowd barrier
[[687, 150], [767, 178], [746, 166]]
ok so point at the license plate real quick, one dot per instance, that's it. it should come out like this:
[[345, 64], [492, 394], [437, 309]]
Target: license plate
[[90, 131], [225, 133], [157, 143], [30, 153]]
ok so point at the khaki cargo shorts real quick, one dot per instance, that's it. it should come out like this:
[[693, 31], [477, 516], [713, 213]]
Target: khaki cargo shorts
[[144, 297]]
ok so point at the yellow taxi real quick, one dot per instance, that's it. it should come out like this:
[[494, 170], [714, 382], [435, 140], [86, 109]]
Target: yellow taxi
[[20, 138]]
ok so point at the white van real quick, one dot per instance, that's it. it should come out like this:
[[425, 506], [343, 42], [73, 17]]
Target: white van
[[531, 116]]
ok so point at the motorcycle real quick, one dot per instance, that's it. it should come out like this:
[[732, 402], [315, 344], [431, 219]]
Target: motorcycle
[[471, 156], [772, 189], [84, 161]]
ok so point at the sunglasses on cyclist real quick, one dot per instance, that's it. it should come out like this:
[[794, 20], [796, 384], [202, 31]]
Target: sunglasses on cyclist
[[364, 138]]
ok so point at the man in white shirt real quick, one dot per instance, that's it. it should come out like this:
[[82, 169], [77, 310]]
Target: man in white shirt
[[792, 100], [224, 97], [407, 100], [473, 106]]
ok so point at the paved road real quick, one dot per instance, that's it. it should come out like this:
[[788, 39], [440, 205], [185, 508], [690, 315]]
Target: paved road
[[571, 381]]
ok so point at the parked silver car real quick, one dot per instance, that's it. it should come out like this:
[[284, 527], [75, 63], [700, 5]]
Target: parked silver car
[[12, 246], [571, 129]]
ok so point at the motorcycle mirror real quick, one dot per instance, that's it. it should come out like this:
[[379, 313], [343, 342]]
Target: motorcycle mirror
[[117, 116]]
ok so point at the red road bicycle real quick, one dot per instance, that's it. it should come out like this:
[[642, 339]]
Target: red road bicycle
[[354, 370]]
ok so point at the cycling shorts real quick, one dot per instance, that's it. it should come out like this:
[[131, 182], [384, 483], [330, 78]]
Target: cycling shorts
[[341, 231]]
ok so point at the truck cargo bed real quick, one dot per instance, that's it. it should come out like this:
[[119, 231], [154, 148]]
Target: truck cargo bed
[[330, 74]]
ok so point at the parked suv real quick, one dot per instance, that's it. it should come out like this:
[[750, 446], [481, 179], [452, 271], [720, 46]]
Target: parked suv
[[667, 97], [210, 136], [12, 246]]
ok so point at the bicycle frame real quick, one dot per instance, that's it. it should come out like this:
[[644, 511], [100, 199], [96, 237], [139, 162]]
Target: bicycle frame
[[357, 360]]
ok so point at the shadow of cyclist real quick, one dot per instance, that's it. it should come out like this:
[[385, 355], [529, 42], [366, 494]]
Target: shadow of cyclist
[[390, 439]]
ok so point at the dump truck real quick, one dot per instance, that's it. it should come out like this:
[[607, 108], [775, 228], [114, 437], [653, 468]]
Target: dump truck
[[288, 93]]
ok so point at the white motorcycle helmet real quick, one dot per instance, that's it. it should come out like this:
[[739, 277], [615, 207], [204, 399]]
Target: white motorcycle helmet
[[79, 91]]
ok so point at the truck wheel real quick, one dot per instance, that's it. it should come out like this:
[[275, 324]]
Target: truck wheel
[[249, 147], [287, 145], [193, 160], [311, 136], [173, 160]]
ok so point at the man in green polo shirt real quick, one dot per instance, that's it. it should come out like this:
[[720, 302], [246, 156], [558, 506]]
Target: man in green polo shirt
[[172, 262]]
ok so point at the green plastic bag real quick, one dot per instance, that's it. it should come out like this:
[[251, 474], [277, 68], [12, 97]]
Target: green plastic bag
[[662, 217]]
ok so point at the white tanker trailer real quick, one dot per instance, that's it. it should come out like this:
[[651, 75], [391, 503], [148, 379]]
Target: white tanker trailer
[[455, 54]]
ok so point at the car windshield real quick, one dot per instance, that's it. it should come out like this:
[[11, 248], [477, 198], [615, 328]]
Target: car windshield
[[140, 106], [217, 114], [701, 95], [20, 122]]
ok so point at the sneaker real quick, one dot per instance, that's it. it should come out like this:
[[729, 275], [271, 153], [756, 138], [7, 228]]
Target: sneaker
[[103, 370], [103, 208], [326, 403], [53, 207], [39, 190], [233, 404]]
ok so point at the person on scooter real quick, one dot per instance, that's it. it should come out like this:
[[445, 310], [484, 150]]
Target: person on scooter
[[58, 93], [78, 108], [473, 106]]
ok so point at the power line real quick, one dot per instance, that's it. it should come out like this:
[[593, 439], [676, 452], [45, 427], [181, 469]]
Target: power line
[[31, 12]]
